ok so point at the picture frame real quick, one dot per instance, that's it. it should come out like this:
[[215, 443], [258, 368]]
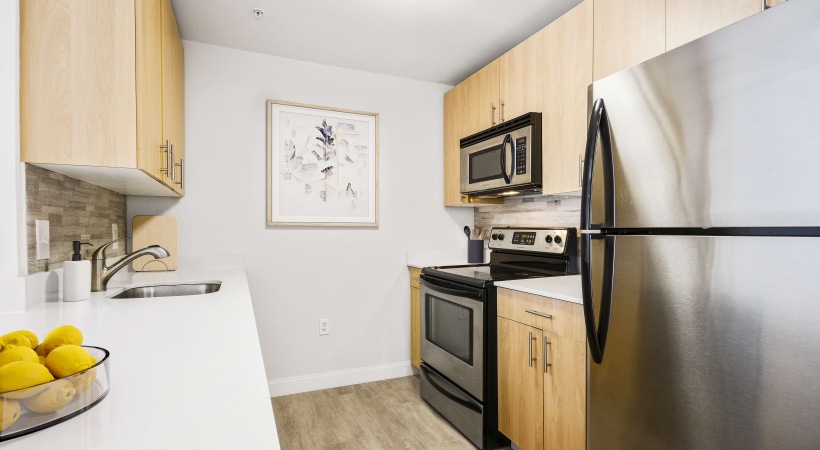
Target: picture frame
[[322, 166]]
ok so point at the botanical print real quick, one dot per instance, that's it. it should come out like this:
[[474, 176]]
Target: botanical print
[[325, 165]]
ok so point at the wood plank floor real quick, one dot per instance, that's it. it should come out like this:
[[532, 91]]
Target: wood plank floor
[[384, 415]]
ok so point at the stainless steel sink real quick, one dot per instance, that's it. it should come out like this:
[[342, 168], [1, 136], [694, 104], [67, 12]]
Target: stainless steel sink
[[169, 290]]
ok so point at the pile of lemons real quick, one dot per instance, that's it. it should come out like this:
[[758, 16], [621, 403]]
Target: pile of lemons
[[27, 363]]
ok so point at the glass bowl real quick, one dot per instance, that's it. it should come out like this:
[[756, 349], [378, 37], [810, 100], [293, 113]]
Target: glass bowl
[[44, 405]]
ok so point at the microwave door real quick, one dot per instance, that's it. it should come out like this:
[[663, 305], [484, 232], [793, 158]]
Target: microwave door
[[507, 140], [487, 165]]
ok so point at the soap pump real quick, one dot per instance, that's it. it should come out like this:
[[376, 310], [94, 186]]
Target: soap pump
[[76, 275]]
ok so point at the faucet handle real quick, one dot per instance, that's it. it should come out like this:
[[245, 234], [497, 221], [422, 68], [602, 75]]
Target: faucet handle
[[99, 253]]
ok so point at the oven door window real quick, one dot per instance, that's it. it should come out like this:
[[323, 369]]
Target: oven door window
[[485, 165], [450, 327]]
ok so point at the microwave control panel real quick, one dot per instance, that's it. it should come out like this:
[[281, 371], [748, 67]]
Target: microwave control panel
[[521, 156], [544, 240]]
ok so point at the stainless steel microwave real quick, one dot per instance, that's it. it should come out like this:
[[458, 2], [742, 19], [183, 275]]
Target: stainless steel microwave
[[503, 160]]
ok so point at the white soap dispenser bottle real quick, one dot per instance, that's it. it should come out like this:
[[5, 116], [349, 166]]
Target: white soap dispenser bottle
[[76, 276]]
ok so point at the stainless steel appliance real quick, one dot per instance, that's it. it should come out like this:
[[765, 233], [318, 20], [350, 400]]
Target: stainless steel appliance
[[701, 242], [487, 171], [458, 325]]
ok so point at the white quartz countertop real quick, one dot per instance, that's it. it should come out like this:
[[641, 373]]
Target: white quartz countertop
[[567, 288], [439, 257], [186, 372]]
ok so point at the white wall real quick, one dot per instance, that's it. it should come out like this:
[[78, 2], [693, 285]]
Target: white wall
[[9, 136], [354, 277]]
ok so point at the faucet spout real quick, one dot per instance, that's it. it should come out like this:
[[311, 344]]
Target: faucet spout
[[101, 273]]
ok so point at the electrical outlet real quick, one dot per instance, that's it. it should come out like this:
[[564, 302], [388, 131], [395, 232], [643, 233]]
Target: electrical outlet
[[324, 327], [114, 236], [42, 239]]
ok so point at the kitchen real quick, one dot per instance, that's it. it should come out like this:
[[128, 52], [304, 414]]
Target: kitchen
[[356, 278]]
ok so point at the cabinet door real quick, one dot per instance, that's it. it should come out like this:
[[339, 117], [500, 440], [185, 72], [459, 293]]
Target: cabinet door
[[150, 156], [564, 392], [479, 107], [415, 316], [687, 20], [520, 384], [77, 100], [566, 79], [627, 32], [520, 78], [173, 92]]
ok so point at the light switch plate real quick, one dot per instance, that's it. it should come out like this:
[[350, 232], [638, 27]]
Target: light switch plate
[[42, 239]]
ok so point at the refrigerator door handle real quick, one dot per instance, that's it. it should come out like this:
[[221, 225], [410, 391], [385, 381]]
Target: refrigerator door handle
[[598, 124], [507, 138], [597, 333]]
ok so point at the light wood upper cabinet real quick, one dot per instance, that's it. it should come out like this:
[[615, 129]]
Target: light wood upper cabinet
[[77, 69], [101, 88], [173, 94], [520, 78], [520, 384], [687, 20], [626, 33], [479, 101], [567, 46]]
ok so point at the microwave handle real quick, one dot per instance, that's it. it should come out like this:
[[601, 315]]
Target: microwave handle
[[507, 138]]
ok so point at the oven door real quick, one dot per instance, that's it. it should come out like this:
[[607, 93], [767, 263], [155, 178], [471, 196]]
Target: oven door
[[452, 332]]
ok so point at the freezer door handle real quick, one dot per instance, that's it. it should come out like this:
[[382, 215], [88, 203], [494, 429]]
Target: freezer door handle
[[598, 125], [597, 333]]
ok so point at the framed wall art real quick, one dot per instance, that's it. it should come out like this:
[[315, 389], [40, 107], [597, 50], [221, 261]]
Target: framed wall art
[[322, 166]]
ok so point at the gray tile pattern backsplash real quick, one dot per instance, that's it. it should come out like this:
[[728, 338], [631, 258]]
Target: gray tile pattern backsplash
[[538, 211], [76, 210]]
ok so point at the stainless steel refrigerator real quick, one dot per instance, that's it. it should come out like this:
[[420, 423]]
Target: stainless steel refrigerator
[[701, 242]]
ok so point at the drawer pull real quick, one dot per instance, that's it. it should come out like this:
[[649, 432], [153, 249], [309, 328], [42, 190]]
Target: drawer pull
[[539, 314]]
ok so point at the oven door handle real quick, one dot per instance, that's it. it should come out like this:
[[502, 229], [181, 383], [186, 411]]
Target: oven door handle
[[467, 403], [476, 294]]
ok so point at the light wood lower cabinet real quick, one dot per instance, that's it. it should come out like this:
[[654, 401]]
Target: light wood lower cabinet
[[541, 372], [415, 318]]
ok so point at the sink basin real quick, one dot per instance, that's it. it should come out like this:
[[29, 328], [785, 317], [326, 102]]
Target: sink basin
[[169, 290]]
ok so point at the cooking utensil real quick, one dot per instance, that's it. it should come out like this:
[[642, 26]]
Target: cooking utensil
[[467, 231]]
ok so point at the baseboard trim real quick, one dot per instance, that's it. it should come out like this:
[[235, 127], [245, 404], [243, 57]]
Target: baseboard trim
[[338, 378]]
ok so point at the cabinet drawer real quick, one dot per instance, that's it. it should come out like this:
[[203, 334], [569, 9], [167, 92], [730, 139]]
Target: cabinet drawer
[[567, 317], [414, 277]]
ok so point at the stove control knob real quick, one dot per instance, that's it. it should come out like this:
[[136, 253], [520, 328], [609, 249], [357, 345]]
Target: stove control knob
[[548, 239], [495, 236], [500, 237], [557, 239]]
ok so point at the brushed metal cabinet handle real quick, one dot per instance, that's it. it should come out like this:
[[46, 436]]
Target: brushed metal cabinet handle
[[546, 364], [501, 111], [492, 113], [181, 166], [580, 171], [529, 345], [539, 314], [167, 151]]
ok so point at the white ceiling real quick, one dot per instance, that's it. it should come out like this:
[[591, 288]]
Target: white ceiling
[[442, 41]]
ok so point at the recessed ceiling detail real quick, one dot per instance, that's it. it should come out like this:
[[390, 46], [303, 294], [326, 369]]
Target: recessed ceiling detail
[[441, 41]]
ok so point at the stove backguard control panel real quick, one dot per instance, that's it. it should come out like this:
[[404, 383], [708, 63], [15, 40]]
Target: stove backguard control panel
[[543, 240]]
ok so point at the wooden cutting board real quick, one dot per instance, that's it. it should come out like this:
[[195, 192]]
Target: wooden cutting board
[[155, 230]]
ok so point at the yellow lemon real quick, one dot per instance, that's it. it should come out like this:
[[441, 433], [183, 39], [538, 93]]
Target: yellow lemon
[[62, 335], [16, 339], [32, 338], [58, 394], [68, 359], [20, 375], [15, 353], [84, 380], [40, 350], [41, 359], [9, 413]]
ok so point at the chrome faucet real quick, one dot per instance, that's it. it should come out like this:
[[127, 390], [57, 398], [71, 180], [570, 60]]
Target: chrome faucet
[[101, 274]]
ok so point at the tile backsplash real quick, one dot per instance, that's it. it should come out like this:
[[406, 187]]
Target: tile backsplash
[[538, 211], [76, 210]]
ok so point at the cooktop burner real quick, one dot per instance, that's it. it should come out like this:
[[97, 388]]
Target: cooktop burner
[[517, 254]]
